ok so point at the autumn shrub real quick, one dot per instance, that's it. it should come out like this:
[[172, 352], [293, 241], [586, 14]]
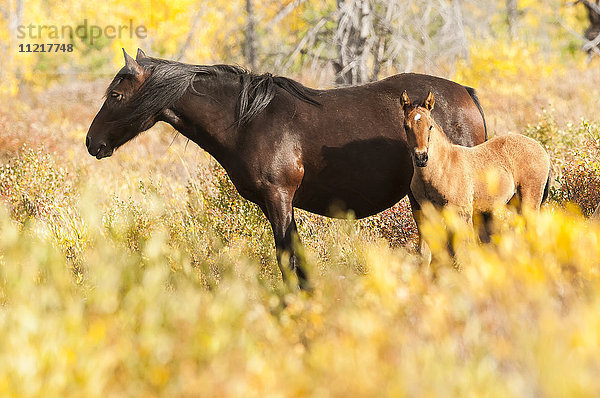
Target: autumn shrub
[[579, 178], [559, 141], [231, 218], [396, 225], [574, 150], [143, 323], [212, 220], [34, 185], [207, 220], [217, 208]]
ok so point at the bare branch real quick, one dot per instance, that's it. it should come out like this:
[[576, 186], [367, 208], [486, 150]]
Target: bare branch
[[590, 45], [375, 37], [188, 39], [593, 6], [309, 35], [574, 33], [283, 13], [250, 49]]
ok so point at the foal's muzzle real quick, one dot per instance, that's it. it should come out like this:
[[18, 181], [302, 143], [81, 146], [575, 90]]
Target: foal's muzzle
[[421, 158]]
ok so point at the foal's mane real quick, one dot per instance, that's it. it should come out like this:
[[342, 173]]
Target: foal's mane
[[170, 80]]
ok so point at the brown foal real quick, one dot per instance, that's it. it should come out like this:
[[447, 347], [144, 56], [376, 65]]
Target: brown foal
[[472, 180]]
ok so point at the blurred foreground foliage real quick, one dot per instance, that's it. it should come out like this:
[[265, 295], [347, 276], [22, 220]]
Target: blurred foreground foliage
[[179, 295]]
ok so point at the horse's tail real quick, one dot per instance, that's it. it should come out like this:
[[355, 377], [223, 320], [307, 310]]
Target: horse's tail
[[475, 99], [547, 187]]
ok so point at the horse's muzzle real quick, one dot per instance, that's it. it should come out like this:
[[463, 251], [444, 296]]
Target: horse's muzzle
[[99, 150], [421, 158]]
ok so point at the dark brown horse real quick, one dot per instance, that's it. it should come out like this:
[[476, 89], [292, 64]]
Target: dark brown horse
[[282, 144]]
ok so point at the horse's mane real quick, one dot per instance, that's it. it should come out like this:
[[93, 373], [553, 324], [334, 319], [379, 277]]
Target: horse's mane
[[170, 80]]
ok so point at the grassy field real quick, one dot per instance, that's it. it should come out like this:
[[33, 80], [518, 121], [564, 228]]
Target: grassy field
[[147, 275]]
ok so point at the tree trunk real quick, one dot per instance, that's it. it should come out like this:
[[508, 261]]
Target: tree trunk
[[353, 30], [251, 56], [592, 33], [381, 37], [14, 15], [512, 14], [460, 28]]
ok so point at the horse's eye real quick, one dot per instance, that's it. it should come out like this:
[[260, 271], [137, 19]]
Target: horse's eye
[[117, 96], [431, 127]]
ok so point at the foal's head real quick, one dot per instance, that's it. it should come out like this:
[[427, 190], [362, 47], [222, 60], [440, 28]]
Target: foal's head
[[418, 125]]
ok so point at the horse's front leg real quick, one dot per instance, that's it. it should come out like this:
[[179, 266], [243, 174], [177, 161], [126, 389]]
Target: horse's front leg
[[280, 213], [417, 213]]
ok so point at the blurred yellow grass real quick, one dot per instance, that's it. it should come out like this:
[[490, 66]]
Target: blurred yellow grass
[[518, 313]]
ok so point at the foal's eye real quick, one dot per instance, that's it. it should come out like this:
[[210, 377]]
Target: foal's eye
[[117, 96], [431, 127]]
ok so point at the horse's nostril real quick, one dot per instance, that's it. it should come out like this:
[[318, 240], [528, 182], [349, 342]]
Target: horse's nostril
[[95, 149], [87, 142], [101, 148]]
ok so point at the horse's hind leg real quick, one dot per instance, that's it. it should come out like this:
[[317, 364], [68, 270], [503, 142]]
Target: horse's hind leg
[[531, 197], [534, 190], [280, 212]]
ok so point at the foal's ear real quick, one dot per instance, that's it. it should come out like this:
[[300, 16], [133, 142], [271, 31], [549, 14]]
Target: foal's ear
[[132, 65], [429, 101], [405, 100], [140, 55]]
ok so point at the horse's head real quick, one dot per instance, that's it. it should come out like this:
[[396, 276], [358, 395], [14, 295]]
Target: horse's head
[[418, 125], [116, 122]]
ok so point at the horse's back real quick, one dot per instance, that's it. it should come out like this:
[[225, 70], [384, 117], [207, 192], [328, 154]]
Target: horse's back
[[530, 161], [456, 110], [354, 150], [519, 149]]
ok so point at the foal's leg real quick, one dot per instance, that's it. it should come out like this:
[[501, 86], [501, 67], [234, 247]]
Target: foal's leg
[[530, 197], [280, 213], [485, 226], [467, 216], [417, 213]]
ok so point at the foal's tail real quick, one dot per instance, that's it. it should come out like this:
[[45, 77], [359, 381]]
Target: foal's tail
[[547, 187], [475, 99]]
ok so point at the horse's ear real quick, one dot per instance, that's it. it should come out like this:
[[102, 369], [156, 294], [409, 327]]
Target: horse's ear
[[132, 65], [405, 100], [429, 101], [140, 55]]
